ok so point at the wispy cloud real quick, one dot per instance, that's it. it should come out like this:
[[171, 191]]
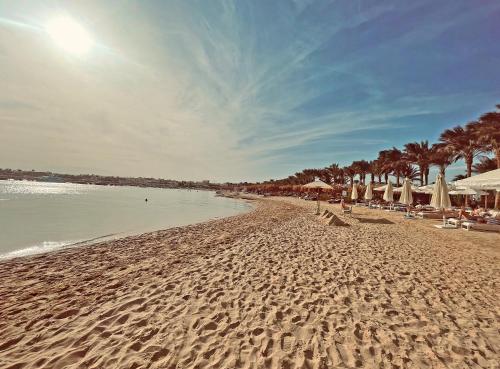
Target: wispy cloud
[[236, 90]]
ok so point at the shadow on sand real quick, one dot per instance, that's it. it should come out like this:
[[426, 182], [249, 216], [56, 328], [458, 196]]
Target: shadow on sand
[[373, 220]]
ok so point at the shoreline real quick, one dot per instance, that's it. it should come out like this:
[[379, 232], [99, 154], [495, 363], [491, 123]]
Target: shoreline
[[64, 244], [273, 287]]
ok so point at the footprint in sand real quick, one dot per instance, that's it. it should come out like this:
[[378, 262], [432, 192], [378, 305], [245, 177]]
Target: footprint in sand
[[287, 342]]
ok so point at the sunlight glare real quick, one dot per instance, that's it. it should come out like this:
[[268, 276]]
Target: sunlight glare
[[69, 35]]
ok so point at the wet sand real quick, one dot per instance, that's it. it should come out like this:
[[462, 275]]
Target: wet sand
[[273, 288]]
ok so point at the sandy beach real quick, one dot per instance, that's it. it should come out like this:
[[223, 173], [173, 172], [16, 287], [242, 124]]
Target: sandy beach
[[273, 288]]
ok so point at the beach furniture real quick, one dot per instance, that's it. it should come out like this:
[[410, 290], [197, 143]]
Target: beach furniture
[[491, 224], [318, 185], [490, 227], [347, 210], [435, 214], [466, 225]]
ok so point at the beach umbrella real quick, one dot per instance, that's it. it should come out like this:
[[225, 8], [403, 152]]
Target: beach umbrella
[[318, 185], [369, 192], [427, 189], [380, 188], [413, 188], [440, 198], [468, 191], [406, 196], [354, 194], [484, 181], [388, 193]]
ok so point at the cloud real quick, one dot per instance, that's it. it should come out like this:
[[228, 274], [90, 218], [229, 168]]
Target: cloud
[[225, 90]]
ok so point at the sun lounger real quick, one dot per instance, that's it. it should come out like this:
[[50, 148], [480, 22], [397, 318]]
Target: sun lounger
[[347, 210], [434, 215], [481, 227]]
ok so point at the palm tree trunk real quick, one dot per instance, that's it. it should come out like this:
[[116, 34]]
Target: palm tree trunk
[[379, 178], [421, 176], [397, 179], [386, 177], [426, 176], [469, 167]]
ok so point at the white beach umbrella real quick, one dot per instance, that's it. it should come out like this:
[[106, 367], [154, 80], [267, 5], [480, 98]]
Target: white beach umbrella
[[440, 198], [354, 194], [468, 191], [413, 188], [369, 192], [388, 193], [318, 185], [380, 188], [406, 196], [427, 189], [485, 181]]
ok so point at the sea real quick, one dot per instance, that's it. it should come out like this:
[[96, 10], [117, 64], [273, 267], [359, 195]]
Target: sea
[[38, 217]]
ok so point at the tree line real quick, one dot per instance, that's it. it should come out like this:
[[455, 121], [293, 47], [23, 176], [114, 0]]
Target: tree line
[[472, 143]]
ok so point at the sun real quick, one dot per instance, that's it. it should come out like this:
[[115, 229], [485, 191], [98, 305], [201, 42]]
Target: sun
[[69, 35]]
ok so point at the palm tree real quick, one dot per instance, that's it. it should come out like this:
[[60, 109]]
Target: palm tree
[[487, 132], [325, 175], [393, 162], [409, 171], [376, 170], [441, 156], [336, 173], [419, 154], [362, 167], [350, 172], [385, 164], [463, 143], [485, 164]]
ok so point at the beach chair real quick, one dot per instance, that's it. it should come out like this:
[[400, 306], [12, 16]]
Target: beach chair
[[347, 210], [466, 225], [481, 227]]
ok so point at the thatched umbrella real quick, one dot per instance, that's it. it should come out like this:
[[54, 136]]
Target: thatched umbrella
[[319, 185]]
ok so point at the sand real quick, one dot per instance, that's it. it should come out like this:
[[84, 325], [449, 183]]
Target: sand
[[273, 288]]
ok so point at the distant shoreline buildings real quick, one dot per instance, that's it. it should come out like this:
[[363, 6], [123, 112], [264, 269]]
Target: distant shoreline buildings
[[18, 174]]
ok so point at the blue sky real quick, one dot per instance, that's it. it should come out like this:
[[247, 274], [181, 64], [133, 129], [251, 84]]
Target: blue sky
[[240, 90]]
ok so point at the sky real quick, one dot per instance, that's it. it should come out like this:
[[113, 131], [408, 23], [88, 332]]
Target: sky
[[239, 90]]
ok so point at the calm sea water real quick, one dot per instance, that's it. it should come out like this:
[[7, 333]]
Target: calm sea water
[[38, 217]]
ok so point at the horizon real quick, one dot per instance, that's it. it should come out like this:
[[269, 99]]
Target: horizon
[[237, 92]]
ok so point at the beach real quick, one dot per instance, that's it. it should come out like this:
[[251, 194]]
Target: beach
[[271, 288]]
